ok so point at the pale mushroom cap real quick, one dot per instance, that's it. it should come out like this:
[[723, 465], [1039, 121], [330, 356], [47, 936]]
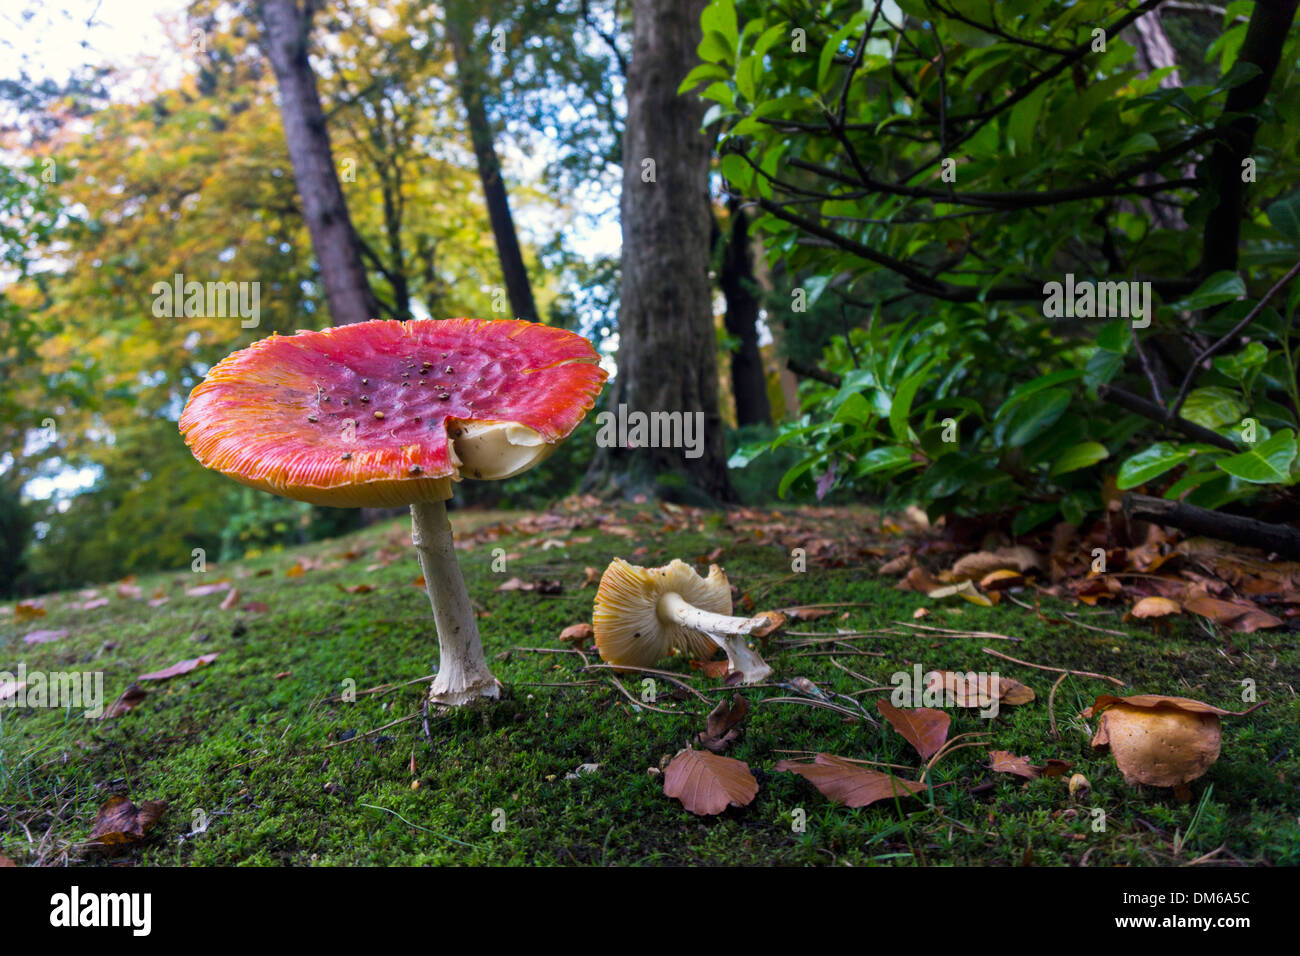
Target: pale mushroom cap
[[1162, 747], [629, 628]]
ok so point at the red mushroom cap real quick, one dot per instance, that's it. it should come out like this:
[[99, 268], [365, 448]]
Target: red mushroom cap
[[361, 415]]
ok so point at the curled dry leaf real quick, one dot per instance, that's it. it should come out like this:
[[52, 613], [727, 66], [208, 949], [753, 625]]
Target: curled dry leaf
[[706, 784], [1003, 761], [772, 621], [128, 701], [1002, 580], [1241, 617], [919, 579], [231, 599], [977, 689], [924, 728], [898, 565], [712, 669], [964, 589], [1157, 740], [807, 613], [179, 668], [721, 725], [120, 821], [351, 589], [847, 783], [977, 565]]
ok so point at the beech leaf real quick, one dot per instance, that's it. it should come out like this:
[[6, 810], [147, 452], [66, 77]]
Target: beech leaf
[[924, 728], [707, 784], [849, 784]]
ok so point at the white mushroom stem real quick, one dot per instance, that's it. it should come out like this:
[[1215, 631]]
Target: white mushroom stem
[[463, 674], [727, 632]]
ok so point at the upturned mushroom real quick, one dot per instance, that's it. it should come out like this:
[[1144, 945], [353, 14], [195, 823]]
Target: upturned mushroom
[[644, 614], [385, 413]]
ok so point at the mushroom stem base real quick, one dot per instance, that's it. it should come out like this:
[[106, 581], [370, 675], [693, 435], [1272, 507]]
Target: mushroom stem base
[[463, 674], [725, 631]]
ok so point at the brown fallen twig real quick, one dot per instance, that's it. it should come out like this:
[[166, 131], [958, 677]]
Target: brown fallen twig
[[955, 632], [1056, 670], [1051, 706]]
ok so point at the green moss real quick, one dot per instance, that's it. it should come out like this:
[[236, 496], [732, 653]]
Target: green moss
[[245, 741]]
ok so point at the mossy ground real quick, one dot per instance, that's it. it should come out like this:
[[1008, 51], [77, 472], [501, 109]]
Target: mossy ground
[[246, 739]]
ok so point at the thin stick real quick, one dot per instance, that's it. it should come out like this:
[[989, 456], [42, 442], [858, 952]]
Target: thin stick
[[1051, 706], [370, 733], [953, 632], [666, 675], [851, 673], [1056, 670], [813, 703], [640, 703]]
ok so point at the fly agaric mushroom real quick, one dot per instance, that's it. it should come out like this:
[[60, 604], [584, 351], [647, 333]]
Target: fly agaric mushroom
[[384, 413], [643, 614]]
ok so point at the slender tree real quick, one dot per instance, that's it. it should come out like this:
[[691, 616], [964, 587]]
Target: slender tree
[[470, 78], [286, 31], [736, 277]]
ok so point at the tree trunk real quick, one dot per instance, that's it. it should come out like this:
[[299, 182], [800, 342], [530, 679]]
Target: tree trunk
[[748, 383], [286, 27], [470, 80], [1267, 31], [667, 353]]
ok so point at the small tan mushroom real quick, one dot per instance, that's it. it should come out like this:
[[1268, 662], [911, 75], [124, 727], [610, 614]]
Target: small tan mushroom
[[1157, 740], [643, 614]]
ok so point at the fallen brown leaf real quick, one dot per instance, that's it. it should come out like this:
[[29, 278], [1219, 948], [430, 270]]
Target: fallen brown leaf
[[706, 784], [848, 783], [1003, 761], [128, 701], [179, 668], [964, 692], [1241, 617], [712, 669], [924, 728], [720, 730], [120, 821]]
